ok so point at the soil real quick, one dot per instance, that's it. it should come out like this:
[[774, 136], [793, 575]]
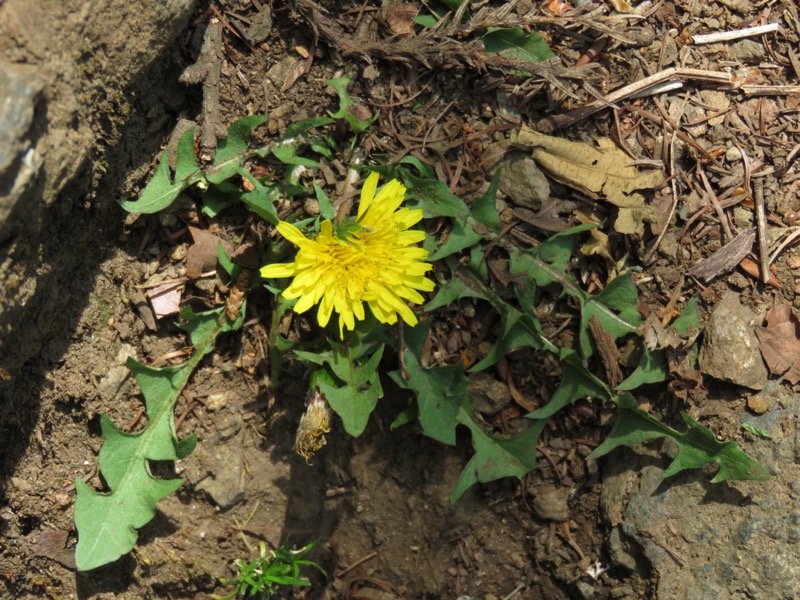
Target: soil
[[379, 504]]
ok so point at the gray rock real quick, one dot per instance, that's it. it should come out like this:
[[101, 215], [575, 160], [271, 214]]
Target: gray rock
[[747, 51], [226, 486], [260, 27], [522, 181], [550, 502], [20, 93], [703, 540], [730, 347], [83, 64], [488, 395]]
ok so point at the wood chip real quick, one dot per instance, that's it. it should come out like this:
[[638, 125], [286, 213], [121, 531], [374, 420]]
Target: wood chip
[[726, 258]]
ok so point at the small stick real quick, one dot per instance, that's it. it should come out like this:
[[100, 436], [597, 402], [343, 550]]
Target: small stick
[[673, 186], [361, 560], [550, 124], [207, 69], [791, 235], [770, 90], [726, 36], [761, 222], [723, 218]]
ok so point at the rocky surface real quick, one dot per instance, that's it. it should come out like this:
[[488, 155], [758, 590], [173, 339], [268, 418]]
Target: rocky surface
[[68, 82], [703, 540]]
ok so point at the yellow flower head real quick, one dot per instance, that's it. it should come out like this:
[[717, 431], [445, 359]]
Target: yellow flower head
[[373, 260]]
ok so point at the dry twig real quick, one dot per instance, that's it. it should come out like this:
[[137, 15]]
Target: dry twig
[[207, 69], [550, 124], [726, 36]]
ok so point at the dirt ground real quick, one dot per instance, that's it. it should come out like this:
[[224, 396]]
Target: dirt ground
[[380, 504]]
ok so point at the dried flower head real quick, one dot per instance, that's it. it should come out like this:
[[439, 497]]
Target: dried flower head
[[314, 424]]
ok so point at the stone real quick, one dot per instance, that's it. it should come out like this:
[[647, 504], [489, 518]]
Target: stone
[[261, 26], [20, 163], [71, 78], [550, 502], [747, 51], [523, 181], [488, 395], [730, 348]]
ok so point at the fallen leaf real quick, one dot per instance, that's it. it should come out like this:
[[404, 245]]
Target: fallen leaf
[[602, 172], [293, 73], [399, 16], [779, 342], [52, 543], [202, 255], [622, 6], [165, 299], [557, 7], [246, 255]]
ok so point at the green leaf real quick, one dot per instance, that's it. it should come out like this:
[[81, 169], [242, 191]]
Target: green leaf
[[574, 386], [427, 21], [461, 236], [758, 431], [516, 337], [162, 190], [261, 199], [689, 318], [455, 289], [219, 197], [515, 43], [107, 522], [652, 368], [495, 457], [306, 125], [443, 403], [350, 384], [517, 331], [434, 197], [484, 209], [615, 308], [439, 390], [548, 263], [696, 447], [224, 261], [345, 104], [326, 209], [233, 150], [287, 154]]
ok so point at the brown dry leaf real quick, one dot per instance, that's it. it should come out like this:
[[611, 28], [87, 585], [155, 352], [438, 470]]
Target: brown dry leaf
[[202, 255], [779, 342], [293, 73], [52, 543], [399, 16], [557, 7], [602, 172], [622, 6]]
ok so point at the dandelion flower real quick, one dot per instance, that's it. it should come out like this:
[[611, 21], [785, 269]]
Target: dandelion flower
[[371, 259]]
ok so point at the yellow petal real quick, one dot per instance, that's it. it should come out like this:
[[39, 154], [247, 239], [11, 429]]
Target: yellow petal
[[291, 233], [367, 193], [278, 270]]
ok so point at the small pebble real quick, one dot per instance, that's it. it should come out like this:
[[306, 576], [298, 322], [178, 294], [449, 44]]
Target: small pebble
[[760, 403]]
